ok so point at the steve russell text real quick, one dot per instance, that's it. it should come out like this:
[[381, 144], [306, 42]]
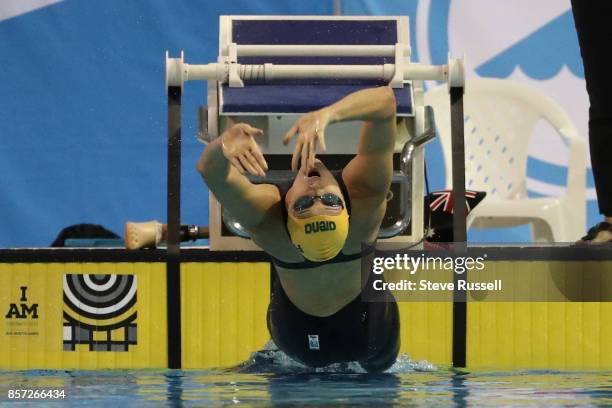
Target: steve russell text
[[427, 285]]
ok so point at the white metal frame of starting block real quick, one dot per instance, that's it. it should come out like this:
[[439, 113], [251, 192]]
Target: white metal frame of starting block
[[227, 70]]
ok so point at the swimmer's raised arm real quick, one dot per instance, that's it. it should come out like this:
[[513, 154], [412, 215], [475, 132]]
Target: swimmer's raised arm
[[373, 105], [369, 174], [221, 166]]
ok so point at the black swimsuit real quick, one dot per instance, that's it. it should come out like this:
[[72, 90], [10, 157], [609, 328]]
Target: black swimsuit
[[367, 332]]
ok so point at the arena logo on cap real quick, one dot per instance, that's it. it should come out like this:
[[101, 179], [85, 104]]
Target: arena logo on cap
[[319, 226], [100, 312]]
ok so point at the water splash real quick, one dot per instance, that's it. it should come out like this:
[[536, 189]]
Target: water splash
[[274, 361]]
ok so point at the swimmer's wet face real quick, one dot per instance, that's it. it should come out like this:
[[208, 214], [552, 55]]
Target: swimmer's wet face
[[318, 181], [317, 216]]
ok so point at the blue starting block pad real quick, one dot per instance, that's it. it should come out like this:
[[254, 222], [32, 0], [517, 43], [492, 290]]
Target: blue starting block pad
[[301, 96], [296, 99], [315, 30]]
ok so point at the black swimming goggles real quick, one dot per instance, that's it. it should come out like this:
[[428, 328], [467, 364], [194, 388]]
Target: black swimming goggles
[[328, 199]]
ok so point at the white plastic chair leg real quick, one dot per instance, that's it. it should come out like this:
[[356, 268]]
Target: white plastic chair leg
[[541, 231]]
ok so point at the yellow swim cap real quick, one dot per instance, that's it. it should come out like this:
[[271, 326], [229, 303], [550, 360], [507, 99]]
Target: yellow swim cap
[[320, 237]]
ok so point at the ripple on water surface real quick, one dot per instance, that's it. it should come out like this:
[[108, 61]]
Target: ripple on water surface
[[270, 378]]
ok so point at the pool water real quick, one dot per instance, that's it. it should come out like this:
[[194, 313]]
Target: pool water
[[264, 381]]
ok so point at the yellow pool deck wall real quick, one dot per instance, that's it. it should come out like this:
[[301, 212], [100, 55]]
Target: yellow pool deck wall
[[223, 320], [44, 350], [223, 312]]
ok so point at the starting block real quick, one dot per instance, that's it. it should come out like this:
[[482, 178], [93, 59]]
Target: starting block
[[272, 68]]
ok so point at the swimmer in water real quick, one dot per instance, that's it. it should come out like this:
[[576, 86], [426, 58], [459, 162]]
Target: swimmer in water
[[314, 228]]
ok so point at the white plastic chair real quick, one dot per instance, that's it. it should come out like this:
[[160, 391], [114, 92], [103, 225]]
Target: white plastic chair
[[500, 116]]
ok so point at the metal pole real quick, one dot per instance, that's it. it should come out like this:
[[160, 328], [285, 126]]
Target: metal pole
[[459, 224], [173, 261], [458, 163]]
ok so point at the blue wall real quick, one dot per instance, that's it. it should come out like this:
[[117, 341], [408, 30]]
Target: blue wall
[[83, 110]]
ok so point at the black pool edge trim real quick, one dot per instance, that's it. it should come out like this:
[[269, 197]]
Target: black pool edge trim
[[65, 255]]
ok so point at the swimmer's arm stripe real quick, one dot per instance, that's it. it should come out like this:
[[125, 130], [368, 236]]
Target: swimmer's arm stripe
[[369, 173], [247, 202]]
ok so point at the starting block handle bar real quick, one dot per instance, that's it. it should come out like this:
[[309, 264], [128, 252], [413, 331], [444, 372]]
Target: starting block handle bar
[[268, 72], [178, 72], [248, 50]]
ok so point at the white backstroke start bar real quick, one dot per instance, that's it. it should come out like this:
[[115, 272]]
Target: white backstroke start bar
[[269, 72], [229, 71]]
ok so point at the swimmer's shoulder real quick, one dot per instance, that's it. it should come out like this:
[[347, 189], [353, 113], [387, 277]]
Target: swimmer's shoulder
[[367, 213], [271, 235]]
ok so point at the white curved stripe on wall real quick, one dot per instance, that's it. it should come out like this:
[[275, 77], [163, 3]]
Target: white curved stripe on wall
[[98, 287], [554, 190], [483, 28], [100, 310], [14, 8]]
